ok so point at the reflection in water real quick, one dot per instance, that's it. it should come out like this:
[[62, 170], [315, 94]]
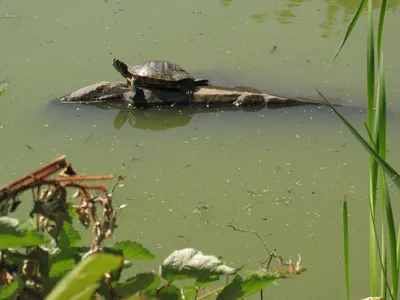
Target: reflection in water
[[153, 119], [342, 10], [225, 3], [156, 119], [338, 11]]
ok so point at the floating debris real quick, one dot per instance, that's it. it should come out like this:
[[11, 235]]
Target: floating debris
[[4, 85]]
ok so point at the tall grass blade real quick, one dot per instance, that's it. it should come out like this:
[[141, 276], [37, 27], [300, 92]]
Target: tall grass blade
[[392, 243], [373, 164], [382, 259], [393, 175], [379, 140], [384, 279], [380, 27], [346, 245], [370, 63], [369, 133], [350, 28], [398, 249]]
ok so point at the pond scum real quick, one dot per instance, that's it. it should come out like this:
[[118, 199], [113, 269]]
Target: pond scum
[[43, 257]]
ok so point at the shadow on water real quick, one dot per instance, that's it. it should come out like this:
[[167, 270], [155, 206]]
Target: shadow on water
[[152, 119]]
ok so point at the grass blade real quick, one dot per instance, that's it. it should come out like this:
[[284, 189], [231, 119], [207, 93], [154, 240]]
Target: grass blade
[[384, 279], [393, 175], [346, 245], [392, 243], [398, 249], [375, 133], [380, 27], [381, 258], [370, 63], [351, 27]]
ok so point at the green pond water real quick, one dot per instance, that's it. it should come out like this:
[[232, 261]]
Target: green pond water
[[282, 172]]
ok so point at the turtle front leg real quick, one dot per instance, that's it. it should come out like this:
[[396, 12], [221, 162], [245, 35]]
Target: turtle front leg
[[133, 87], [188, 88]]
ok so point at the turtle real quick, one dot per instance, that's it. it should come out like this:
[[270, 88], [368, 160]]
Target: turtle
[[159, 74]]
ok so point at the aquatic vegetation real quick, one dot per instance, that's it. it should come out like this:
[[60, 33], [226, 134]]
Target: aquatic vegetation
[[382, 251]]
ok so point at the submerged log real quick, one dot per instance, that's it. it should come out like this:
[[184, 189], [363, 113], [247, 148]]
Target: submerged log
[[120, 92]]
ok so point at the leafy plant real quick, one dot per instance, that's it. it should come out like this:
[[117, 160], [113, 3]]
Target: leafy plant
[[43, 256]]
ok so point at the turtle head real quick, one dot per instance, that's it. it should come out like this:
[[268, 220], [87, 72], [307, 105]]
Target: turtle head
[[122, 68]]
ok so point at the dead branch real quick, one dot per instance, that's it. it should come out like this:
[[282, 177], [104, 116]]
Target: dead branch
[[50, 199], [23, 183]]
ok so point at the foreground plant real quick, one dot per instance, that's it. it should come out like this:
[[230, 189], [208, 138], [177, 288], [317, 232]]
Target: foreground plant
[[43, 256], [379, 169]]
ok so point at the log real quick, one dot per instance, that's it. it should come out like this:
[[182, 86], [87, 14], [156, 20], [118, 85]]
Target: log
[[120, 92]]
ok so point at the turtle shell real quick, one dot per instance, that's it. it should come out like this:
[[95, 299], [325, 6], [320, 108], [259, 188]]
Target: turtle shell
[[162, 73]]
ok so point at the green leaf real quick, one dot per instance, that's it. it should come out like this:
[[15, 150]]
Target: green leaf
[[204, 281], [81, 282], [256, 282], [351, 27], [140, 283], [191, 263], [60, 267], [239, 288], [346, 246], [392, 241], [15, 234], [11, 290], [72, 212], [134, 250], [190, 292], [380, 26], [170, 292], [393, 175], [69, 236]]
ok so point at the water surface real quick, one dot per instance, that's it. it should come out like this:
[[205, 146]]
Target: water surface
[[189, 172]]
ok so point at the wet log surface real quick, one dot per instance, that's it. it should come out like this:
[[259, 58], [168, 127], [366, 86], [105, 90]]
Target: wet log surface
[[120, 93]]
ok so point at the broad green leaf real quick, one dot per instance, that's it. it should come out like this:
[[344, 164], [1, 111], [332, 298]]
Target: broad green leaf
[[191, 263], [11, 290], [232, 290], [60, 267], [134, 250], [256, 282], [140, 283], [83, 279], [69, 236], [72, 212], [15, 234], [204, 281], [136, 297], [190, 292], [239, 288], [170, 292]]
